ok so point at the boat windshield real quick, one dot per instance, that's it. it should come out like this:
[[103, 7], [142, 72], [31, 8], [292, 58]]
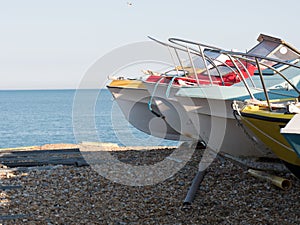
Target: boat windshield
[[215, 72], [264, 48], [275, 50], [285, 54], [213, 55]]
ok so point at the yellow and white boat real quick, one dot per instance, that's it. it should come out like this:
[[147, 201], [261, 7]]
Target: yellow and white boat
[[266, 121], [133, 99]]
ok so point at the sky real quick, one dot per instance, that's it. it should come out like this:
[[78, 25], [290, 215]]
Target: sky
[[51, 44]]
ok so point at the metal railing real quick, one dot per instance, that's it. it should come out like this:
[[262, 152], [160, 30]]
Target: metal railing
[[238, 59], [192, 53], [253, 58]]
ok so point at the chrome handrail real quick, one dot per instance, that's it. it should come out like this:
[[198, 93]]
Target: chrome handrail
[[199, 53], [263, 84], [189, 51], [199, 45], [239, 55], [178, 41], [259, 57], [235, 57], [247, 57]]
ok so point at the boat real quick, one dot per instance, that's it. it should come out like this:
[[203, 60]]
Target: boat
[[132, 97], [211, 108], [207, 108], [203, 110], [142, 111], [275, 121], [291, 132], [266, 120], [207, 67]]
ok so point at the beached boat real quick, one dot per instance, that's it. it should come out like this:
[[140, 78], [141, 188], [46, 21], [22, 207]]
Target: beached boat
[[216, 125], [203, 67], [266, 118], [132, 97], [211, 110], [221, 71], [200, 106], [265, 121]]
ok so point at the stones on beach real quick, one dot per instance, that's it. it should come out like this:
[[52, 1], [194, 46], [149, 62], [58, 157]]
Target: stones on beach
[[79, 195]]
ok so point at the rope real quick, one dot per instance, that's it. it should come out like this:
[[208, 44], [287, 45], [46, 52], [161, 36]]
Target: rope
[[170, 85], [151, 100], [236, 112]]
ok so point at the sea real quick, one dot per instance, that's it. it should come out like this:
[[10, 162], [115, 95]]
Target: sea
[[39, 117]]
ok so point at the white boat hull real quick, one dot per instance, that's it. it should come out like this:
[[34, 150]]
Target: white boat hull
[[218, 127], [134, 104], [173, 112]]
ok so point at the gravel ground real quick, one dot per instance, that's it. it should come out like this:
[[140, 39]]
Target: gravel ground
[[79, 195]]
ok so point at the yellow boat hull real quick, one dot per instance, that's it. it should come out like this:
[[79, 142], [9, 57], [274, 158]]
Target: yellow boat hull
[[266, 125]]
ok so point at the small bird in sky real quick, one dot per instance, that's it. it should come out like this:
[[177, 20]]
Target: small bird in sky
[[129, 3]]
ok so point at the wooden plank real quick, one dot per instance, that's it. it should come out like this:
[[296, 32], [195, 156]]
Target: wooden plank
[[42, 157], [23, 164], [13, 217], [40, 151], [10, 187], [58, 161], [27, 169]]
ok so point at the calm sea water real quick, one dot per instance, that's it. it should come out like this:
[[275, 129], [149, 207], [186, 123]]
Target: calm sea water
[[37, 117]]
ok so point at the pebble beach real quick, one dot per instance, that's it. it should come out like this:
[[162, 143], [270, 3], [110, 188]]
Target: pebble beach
[[79, 195]]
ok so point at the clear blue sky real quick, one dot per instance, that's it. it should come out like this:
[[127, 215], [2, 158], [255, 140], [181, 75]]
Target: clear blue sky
[[51, 44]]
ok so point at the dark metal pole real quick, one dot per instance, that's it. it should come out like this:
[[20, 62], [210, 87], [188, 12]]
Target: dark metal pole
[[194, 187]]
